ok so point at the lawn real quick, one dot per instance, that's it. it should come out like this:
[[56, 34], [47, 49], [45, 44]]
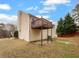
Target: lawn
[[60, 47]]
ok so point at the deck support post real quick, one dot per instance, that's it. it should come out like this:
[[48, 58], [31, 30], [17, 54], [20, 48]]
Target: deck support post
[[47, 33], [41, 33], [51, 34]]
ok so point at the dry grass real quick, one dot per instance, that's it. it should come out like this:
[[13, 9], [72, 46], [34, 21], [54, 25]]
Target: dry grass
[[57, 48]]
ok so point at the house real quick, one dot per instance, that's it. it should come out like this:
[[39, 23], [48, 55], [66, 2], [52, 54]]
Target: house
[[32, 28]]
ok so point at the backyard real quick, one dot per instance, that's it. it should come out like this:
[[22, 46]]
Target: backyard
[[60, 47]]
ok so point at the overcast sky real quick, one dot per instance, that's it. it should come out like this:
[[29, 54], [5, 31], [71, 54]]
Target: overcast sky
[[51, 9]]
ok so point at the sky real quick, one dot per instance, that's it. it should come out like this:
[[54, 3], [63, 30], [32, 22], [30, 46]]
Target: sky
[[49, 9]]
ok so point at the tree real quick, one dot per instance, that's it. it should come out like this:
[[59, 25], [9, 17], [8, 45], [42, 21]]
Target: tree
[[66, 26], [69, 25], [60, 27]]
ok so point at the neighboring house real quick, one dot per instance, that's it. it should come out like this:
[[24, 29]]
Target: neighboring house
[[2, 32], [6, 30], [10, 28], [32, 28], [2, 26]]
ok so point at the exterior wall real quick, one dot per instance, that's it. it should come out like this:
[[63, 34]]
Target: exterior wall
[[44, 34], [49, 33], [23, 27], [35, 34], [54, 35]]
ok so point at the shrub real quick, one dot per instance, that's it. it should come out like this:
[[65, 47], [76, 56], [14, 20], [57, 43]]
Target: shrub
[[49, 38], [16, 34]]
